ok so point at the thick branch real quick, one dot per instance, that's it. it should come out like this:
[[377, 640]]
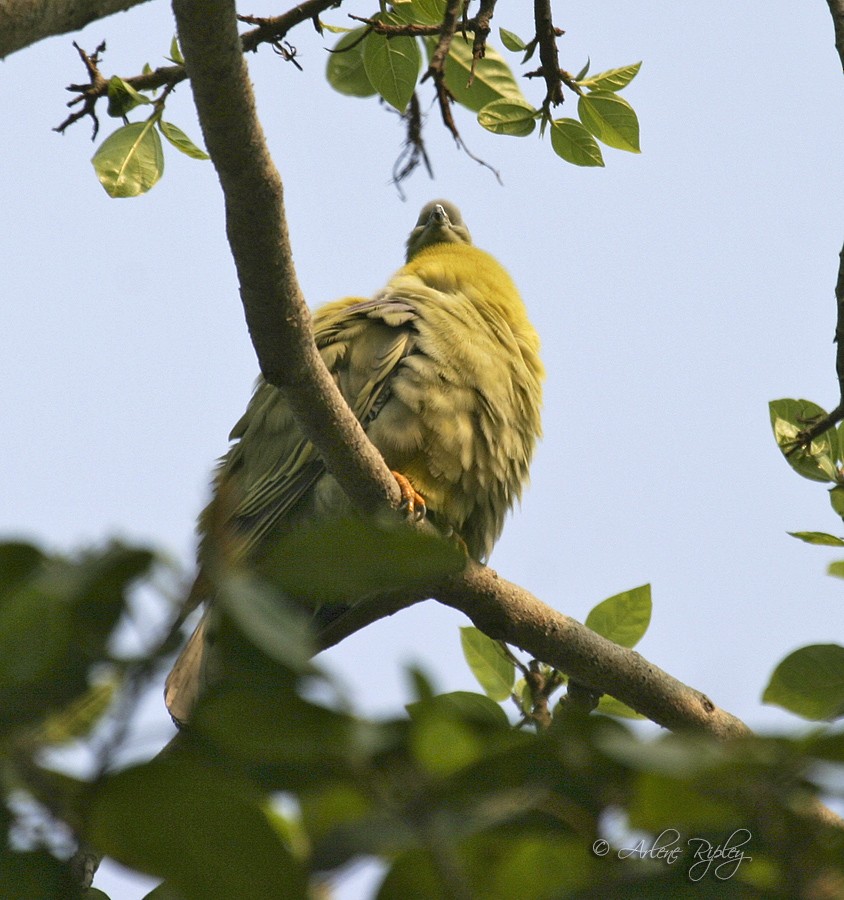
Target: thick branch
[[507, 612], [24, 22], [278, 320]]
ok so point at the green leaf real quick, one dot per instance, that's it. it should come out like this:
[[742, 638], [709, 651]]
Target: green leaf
[[426, 12], [494, 670], [612, 79], [463, 704], [346, 559], [610, 706], [130, 161], [177, 818], [623, 618], [818, 537], [583, 71], [493, 79], [508, 116], [18, 562], [272, 725], [36, 875], [55, 623], [181, 141], [392, 65], [176, 52], [444, 744], [345, 70], [611, 119], [836, 569], [122, 97], [574, 144], [277, 627], [512, 41], [79, 717], [788, 419], [836, 499], [810, 682]]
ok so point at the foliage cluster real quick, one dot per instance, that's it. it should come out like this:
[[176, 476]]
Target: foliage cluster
[[278, 786]]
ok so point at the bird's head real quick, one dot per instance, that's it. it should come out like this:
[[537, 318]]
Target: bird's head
[[439, 222]]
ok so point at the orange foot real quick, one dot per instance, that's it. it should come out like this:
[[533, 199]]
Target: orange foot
[[412, 501]]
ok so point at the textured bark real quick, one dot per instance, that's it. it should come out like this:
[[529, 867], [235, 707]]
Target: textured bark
[[278, 319], [24, 22]]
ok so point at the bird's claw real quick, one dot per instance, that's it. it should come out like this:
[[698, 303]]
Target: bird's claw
[[411, 501]]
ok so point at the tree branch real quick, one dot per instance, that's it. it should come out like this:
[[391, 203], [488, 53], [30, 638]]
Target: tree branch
[[278, 319], [836, 8], [24, 22]]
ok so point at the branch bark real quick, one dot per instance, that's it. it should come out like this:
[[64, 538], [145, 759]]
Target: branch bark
[[507, 612], [24, 22], [278, 319]]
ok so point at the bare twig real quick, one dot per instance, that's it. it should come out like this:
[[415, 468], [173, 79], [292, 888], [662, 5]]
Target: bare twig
[[270, 31], [88, 94], [447, 29], [546, 35], [482, 20], [413, 151]]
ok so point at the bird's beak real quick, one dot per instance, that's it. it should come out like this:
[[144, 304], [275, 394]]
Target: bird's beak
[[439, 216]]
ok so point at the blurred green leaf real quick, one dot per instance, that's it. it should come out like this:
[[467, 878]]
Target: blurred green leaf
[[492, 80], [345, 70], [528, 863], [574, 144], [489, 663], [36, 875], [272, 725], [611, 119], [181, 141], [610, 706], [836, 569], [788, 419], [344, 560], [623, 618], [56, 622], [279, 628], [612, 79], [818, 537], [18, 562], [508, 116], [131, 160], [204, 829], [810, 682], [392, 64], [78, 718], [463, 704], [442, 743], [122, 97], [660, 798]]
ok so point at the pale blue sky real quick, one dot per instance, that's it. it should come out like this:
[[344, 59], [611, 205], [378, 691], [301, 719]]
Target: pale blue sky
[[675, 292]]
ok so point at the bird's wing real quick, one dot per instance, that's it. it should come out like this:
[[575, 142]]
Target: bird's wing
[[274, 465]]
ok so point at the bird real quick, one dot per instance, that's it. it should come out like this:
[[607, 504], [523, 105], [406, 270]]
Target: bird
[[442, 369]]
